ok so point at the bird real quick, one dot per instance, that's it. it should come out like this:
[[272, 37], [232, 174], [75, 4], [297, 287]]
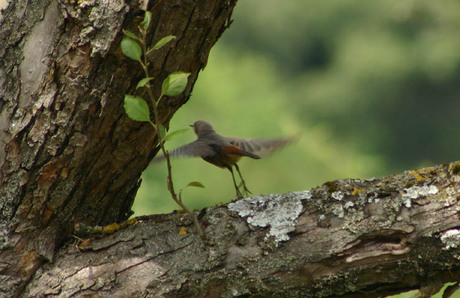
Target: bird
[[225, 152]]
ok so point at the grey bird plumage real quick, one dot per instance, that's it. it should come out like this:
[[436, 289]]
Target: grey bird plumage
[[225, 152]]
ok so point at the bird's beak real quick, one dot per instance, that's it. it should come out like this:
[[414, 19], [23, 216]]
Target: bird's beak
[[191, 125]]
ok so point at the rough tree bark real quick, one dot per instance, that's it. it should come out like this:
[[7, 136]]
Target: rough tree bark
[[345, 238], [68, 152]]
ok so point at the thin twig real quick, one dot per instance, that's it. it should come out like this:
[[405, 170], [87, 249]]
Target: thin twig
[[156, 127]]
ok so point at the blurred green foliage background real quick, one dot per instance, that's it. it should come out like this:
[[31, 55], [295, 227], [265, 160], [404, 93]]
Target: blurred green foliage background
[[372, 86]]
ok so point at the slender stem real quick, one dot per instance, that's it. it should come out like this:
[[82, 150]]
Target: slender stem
[[156, 126]]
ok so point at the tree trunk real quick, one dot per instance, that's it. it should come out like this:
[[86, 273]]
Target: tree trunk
[[361, 238], [68, 152]]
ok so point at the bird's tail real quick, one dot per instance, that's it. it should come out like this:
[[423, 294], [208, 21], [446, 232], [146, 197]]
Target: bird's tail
[[238, 151]]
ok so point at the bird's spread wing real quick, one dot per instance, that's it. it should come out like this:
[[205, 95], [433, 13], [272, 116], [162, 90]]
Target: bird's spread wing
[[261, 146], [193, 149]]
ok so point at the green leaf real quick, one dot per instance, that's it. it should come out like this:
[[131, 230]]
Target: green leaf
[[143, 82], [130, 35], [147, 20], [131, 49], [136, 108], [163, 41], [195, 184], [175, 134], [175, 83]]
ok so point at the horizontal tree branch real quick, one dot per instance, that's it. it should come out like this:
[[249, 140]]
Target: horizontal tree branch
[[347, 237]]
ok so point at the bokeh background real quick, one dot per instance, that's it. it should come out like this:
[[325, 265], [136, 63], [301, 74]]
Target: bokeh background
[[372, 86]]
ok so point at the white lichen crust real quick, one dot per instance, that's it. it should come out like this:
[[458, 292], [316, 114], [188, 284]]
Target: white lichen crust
[[450, 238], [279, 212]]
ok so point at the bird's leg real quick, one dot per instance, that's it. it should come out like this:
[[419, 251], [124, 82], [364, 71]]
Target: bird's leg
[[242, 180], [238, 193]]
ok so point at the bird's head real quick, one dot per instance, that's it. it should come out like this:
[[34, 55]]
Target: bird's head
[[202, 128]]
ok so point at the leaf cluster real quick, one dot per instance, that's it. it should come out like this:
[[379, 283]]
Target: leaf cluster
[[135, 47]]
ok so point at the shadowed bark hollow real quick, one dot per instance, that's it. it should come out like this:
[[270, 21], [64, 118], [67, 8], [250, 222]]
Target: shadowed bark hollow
[[68, 152]]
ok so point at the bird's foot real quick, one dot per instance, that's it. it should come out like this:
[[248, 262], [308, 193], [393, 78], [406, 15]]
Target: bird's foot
[[239, 195], [246, 190]]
